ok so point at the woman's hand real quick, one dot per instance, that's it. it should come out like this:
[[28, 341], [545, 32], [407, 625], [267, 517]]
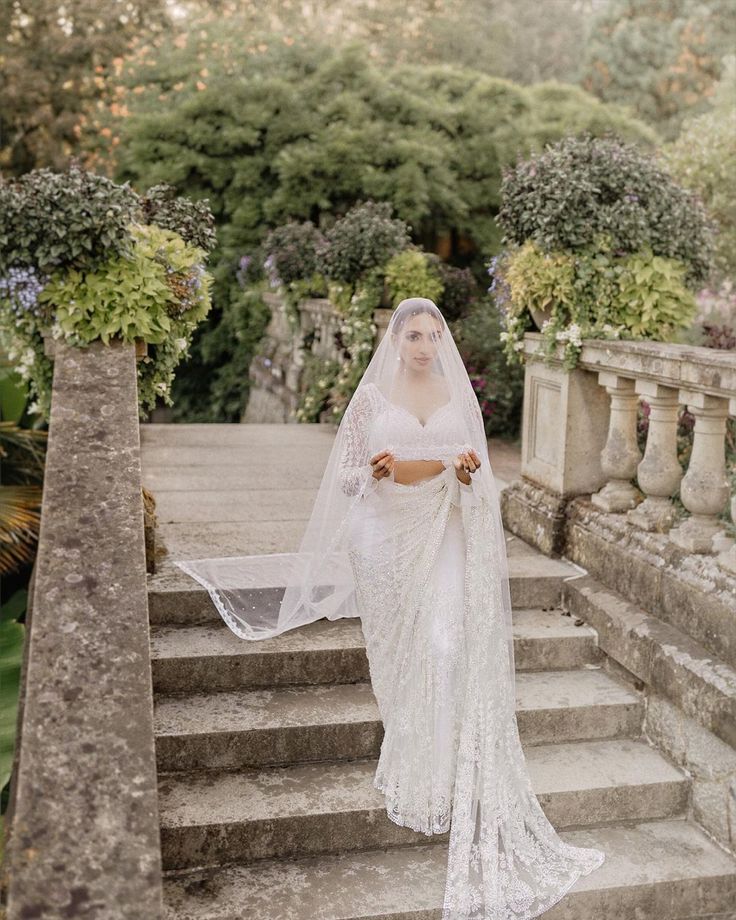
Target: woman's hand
[[465, 464], [382, 463]]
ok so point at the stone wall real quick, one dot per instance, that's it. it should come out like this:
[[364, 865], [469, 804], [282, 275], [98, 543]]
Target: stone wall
[[83, 835]]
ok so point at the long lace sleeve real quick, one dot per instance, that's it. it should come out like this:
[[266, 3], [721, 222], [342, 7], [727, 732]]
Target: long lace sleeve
[[355, 472]]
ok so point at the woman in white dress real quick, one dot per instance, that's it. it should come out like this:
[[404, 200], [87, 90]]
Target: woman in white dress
[[406, 533]]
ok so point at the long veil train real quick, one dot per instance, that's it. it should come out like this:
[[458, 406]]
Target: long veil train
[[424, 565]]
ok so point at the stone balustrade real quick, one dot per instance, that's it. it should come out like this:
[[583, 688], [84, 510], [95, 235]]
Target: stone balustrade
[[580, 434]]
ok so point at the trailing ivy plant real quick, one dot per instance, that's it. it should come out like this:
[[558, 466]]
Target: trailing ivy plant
[[358, 332], [100, 272], [318, 378]]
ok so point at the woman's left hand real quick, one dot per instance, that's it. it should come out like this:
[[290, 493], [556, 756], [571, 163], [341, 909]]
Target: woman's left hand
[[465, 464]]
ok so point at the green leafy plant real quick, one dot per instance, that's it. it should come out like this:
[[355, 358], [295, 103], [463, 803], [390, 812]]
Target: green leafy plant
[[63, 219], [94, 281], [358, 332], [410, 274], [193, 221], [318, 378], [589, 294], [292, 251], [498, 384], [460, 289]]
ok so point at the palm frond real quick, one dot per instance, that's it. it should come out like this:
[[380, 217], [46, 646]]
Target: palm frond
[[22, 452], [20, 521]]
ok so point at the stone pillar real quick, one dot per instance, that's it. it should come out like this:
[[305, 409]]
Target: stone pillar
[[564, 425], [381, 317], [659, 473], [565, 418], [621, 455], [704, 488]]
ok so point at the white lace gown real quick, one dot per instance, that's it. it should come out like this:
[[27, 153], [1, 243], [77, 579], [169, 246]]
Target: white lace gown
[[451, 757]]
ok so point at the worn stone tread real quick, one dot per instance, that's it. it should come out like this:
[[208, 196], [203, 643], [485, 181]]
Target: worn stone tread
[[685, 876], [233, 728], [302, 809], [286, 707], [211, 656]]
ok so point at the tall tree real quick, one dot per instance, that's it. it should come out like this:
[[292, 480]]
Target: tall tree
[[661, 57], [52, 55]]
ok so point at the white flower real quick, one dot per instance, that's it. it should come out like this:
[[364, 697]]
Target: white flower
[[180, 344]]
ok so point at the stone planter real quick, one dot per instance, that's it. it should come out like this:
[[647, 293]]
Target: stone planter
[[49, 345], [540, 316]]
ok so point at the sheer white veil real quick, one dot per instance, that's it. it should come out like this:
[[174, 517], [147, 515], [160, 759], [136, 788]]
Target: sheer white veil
[[417, 369]]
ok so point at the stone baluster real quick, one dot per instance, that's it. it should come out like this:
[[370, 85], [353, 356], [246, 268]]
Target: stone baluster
[[659, 473], [728, 557], [621, 455], [704, 488]]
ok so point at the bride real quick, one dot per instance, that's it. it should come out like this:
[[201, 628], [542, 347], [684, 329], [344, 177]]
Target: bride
[[406, 533]]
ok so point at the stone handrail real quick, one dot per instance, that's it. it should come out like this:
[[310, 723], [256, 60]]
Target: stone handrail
[[599, 433], [83, 828]]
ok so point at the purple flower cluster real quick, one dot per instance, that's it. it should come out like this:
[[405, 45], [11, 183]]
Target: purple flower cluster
[[500, 290], [479, 384], [270, 266], [192, 284], [21, 287]]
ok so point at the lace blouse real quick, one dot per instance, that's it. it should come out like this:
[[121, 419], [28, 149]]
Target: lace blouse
[[374, 424]]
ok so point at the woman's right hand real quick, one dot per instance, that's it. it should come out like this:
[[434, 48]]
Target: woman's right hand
[[383, 464]]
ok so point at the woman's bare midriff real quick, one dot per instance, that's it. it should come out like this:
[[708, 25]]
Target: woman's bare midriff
[[407, 472]]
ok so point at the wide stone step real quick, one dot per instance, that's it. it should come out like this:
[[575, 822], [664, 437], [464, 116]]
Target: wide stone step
[[212, 657], [175, 597], [230, 729], [683, 876], [308, 809]]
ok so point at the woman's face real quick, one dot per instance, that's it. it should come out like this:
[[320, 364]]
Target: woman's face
[[418, 341]]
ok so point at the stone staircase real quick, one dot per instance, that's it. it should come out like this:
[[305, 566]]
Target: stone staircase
[[266, 753]]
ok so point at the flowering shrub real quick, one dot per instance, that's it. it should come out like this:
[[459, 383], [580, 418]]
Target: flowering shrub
[[460, 290], [140, 281], [600, 243], [498, 385], [583, 188], [291, 251], [366, 237]]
